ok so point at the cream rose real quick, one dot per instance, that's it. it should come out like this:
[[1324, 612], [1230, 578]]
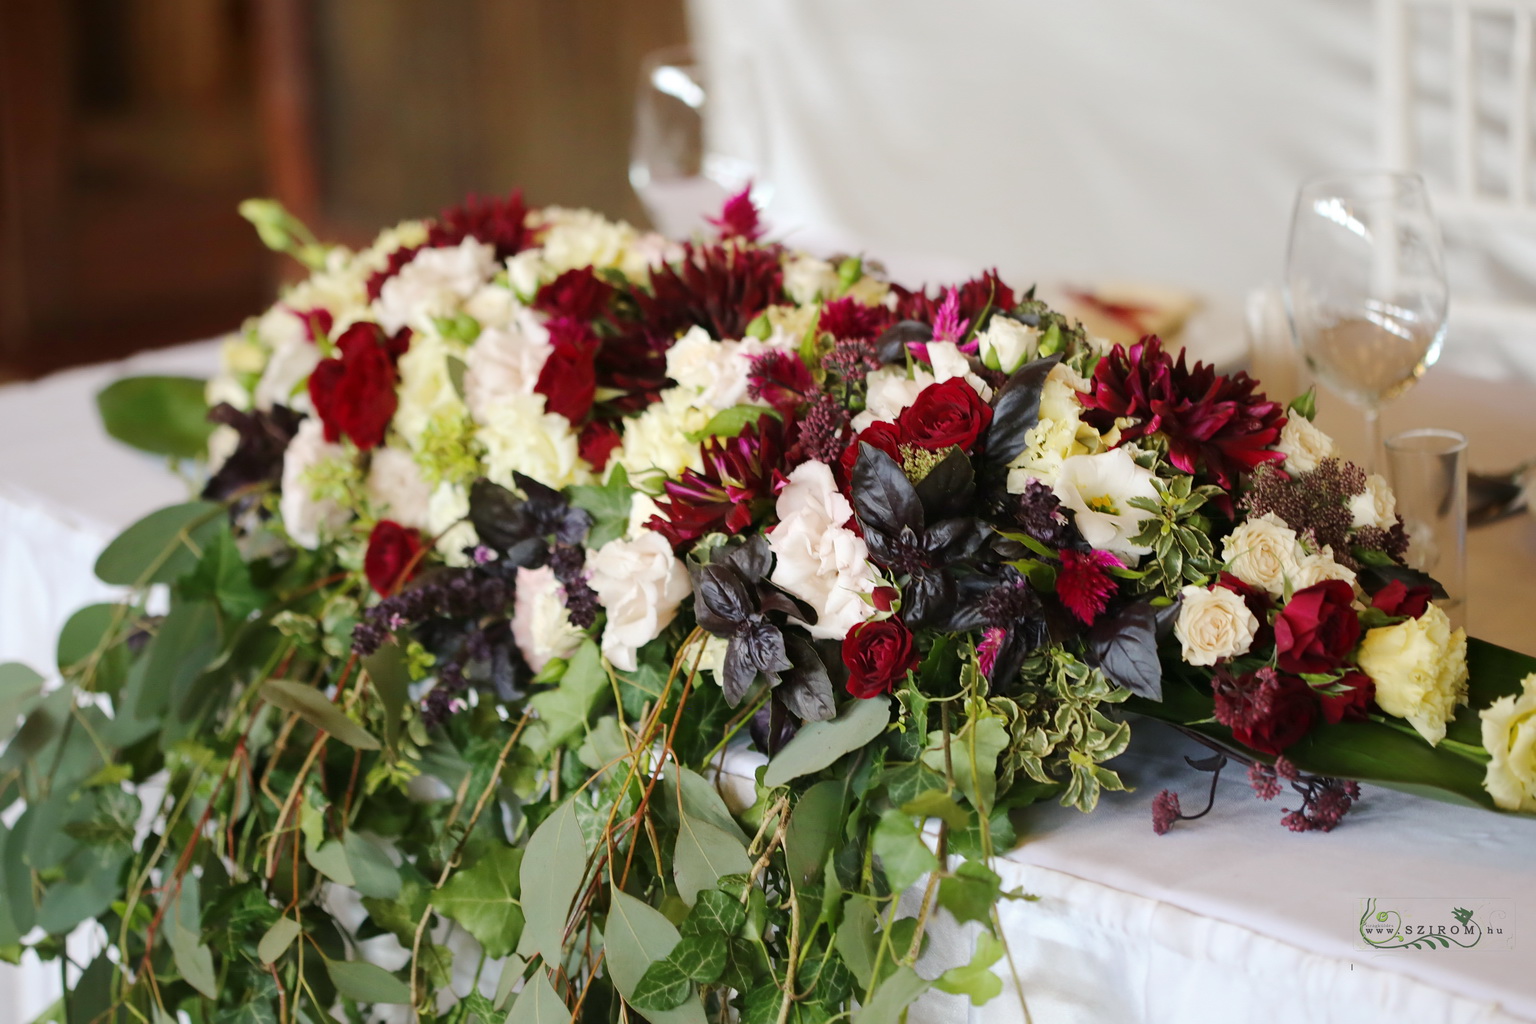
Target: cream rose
[[817, 558], [1303, 445], [1420, 670], [541, 626], [1213, 624], [1007, 344], [639, 584], [1315, 568], [1263, 552], [1509, 736], [1375, 506], [1098, 489]]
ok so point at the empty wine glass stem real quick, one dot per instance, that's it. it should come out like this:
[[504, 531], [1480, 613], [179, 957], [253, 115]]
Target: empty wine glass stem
[[1372, 438]]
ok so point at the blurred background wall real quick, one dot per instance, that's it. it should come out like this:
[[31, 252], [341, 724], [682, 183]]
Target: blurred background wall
[[130, 129]]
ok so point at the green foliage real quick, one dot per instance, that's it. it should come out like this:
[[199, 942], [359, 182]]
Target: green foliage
[[1179, 534], [159, 415]]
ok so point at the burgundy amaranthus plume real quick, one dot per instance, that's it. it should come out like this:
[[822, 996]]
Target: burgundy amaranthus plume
[[1215, 425], [739, 217], [736, 485]]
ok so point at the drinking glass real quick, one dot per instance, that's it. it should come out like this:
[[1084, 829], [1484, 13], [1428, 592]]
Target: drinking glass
[[1365, 287], [1428, 473], [697, 140]]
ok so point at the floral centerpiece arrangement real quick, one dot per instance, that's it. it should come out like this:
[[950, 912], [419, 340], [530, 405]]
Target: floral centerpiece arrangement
[[579, 624]]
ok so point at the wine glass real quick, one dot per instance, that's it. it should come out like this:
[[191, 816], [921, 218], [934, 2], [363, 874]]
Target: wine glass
[[697, 140], [1365, 287]]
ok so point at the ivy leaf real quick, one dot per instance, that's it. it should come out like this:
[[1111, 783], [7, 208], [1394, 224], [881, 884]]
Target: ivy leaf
[[902, 852], [716, 914], [367, 983], [484, 899], [607, 504], [563, 710], [1124, 648], [637, 935], [975, 979], [663, 986], [538, 1003], [160, 548], [554, 863], [312, 706], [703, 854], [157, 414], [277, 939], [971, 892], [894, 995], [935, 803], [973, 757], [820, 743], [224, 577]]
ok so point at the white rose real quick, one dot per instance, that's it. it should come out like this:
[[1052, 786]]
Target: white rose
[[817, 558], [433, 284], [1213, 624], [1303, 445], [1098, 489], [808, 279], [1316, 568], [426, 389], [1419, 667], [527, 273], [519, 436], [888, 392], [306, 517], [1059, 434], [447, 520], [396, 487], [541, 626], [1509, 736], [948, 362], [504, 361], [1375, 506], [1007, 344], [1263, 552], [657, 439], [640, 585]]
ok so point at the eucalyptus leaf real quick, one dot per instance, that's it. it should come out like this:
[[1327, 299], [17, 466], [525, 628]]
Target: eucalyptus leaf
[[367, 983], [705, 853], [373, 872], [161, 547], [312, 706], [820, 743], [814, 827], [637, 935], [856, 939], [20, 690], [330, 859], [158, 414], [539, 1003], [391, 680], [554, 864], [192, 956], [277, 939]]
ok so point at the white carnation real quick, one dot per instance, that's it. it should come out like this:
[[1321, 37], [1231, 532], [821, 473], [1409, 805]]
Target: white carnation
[[434, 284], [582, 238], [718, 372], [817, 558], [1303, 445], [541, 626], [521, 437], [657, 439], [888, 391], [640, 584], [305, 516], [1375, 506], [1098, 489], [397, 489], [505, 361], [493, 305], [527, 273]]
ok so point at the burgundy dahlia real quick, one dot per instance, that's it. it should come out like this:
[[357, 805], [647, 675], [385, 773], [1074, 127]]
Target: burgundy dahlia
[[736, 485], [578, 294], [971, 299], [849, 318], [721, 288], [502, 223], [1215, 425]]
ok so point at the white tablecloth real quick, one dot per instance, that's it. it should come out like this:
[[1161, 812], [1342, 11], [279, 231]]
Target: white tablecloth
[[1229, 918]]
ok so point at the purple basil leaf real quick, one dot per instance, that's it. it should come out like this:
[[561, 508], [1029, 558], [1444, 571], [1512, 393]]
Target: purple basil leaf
[[891, 346], [954, 540], [927, 599], [806, 688], [723, 604], [752, 559], [1125, 649], [949, 488], [258, 455], [772, 599], [883, 497], [1014, 414], [498, 515], [763, 643], [772, 727], [738, 673]]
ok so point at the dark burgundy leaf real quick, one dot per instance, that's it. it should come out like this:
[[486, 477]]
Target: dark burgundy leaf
[[258, 455], [1373, 577], [949, 488], [927, 599], [883, 497], [723, 604], [1124, 648], [891, 346], [498, 515], [1014, 414], [752, 559], [772, 727]]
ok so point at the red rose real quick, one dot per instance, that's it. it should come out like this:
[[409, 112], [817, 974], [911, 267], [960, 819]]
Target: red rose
[[354, 394], [1399, 599], [392, 556], [1317, 628], [568, 380], [597, 441], [948, 413], [878, 656], [579, 294], [1351, 705], [883, 436], [1265, 710]]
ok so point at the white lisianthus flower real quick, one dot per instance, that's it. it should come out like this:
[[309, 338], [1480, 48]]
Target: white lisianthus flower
[[1098, 489], [1263, 552], [541, 626], [1213, 624], [426, 388], [582, 238], [817, 558], [1509, 736], [527, 273], [1375, 506], [1319, 567], [948, 362], [1059, 434], [657, 439], [305, 516], [448, 521], [640, 584], [888, 391], [396, 487], [808, 280], [1419, 667], [1303, 445], [433, 284], [1007, 344], [504, 361], [520, 436]]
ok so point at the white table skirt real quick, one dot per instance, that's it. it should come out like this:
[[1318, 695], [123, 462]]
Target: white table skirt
[[1229, 918]]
